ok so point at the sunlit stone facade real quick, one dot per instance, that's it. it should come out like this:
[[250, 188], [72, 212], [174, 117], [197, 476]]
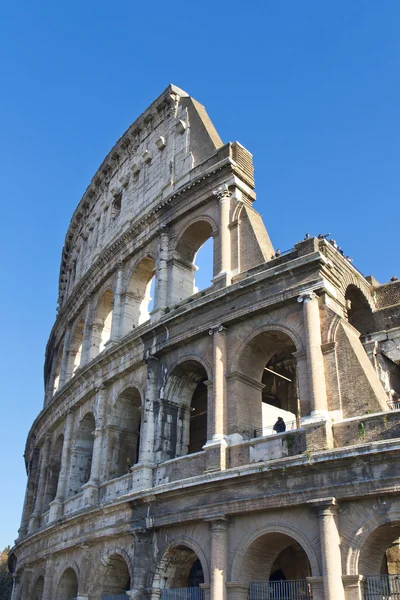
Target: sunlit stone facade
[[153, 469]]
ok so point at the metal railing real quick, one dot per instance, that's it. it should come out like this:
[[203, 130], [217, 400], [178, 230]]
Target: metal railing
[[298, 589], [115, 597], [394, 404], [269, 429], [382, 587], [191, 593]]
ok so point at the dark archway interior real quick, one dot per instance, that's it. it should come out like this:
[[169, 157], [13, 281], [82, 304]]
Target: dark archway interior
[[117, 579], [68, 586], [381, 552], [181, 568], [275, 557]]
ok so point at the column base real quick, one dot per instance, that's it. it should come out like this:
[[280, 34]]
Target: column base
[[216, 454], [34, 523], [90, 493], [317, 587], [142, 477], [237, 591], [319, 435], [353, 586], [222, 280], [56, 510]]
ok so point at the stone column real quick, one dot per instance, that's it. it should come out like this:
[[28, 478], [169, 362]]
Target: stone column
[[65, 358], [142, 475], [56, 506], [85, 357], [91, 488], [23, 530], [216, 447], [26, 584], [34, 521], [330, 548], [223, 196], [143, 552], [117, 307], [219, 556], [315, 361], [161, 286], [16, 587], [48, 580], [52, 377]]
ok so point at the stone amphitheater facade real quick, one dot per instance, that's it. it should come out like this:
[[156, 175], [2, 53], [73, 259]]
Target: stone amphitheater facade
[[153, 468]]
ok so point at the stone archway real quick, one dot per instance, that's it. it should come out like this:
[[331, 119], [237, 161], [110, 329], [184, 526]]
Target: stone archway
[[67, 588]]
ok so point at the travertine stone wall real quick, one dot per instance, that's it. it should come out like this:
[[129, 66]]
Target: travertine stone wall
[[153, 464]]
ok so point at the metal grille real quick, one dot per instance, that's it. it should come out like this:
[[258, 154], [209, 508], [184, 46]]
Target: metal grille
[[115, 597], [382, 587], [191, 593], [281, 590]]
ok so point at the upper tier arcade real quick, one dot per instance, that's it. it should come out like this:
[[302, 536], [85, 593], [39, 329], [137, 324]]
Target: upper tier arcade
[[152, 159]]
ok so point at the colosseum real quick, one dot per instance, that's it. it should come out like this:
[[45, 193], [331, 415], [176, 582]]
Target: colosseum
[[238, 442]]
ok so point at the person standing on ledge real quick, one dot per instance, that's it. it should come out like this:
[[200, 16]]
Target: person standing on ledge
[[279, 426]]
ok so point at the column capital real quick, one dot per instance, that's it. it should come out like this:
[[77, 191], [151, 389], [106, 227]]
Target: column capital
[[222, 193], [217, 522], [325, 506], [307, 297], [217, 329]]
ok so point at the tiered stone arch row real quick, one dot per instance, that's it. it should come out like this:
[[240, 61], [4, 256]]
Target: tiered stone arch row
[[181, 558]]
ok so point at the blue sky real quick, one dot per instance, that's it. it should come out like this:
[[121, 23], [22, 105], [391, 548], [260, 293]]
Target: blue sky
[[310, 88]]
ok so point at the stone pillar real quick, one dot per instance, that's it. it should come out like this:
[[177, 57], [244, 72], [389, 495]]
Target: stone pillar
[[91, 488], [65, 358], [142, 474], [26, 584], [52, 377], [56, 506], [315, 361], [216, 447], [48, 580], [143, 552], [223, 196], [16, 587], [117, 307], [34, 521], [161, 286], [330, 548], [85, 357], [23, 530], [219, 556]]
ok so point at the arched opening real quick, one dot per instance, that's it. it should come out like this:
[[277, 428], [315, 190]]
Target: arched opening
[[75, 350], [124, 433], [182, 414], [58, 359], [138, 298], [116, 578], [275, 564], [67, 588], [359, 312], [379, 562], [53, 472], [101, 328], [180, 569], [184, 268], [81, 459], [204, 263], [268, 383], [37, 592]]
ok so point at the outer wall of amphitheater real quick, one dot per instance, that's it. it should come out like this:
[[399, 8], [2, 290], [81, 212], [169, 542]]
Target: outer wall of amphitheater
[[156, 468]]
